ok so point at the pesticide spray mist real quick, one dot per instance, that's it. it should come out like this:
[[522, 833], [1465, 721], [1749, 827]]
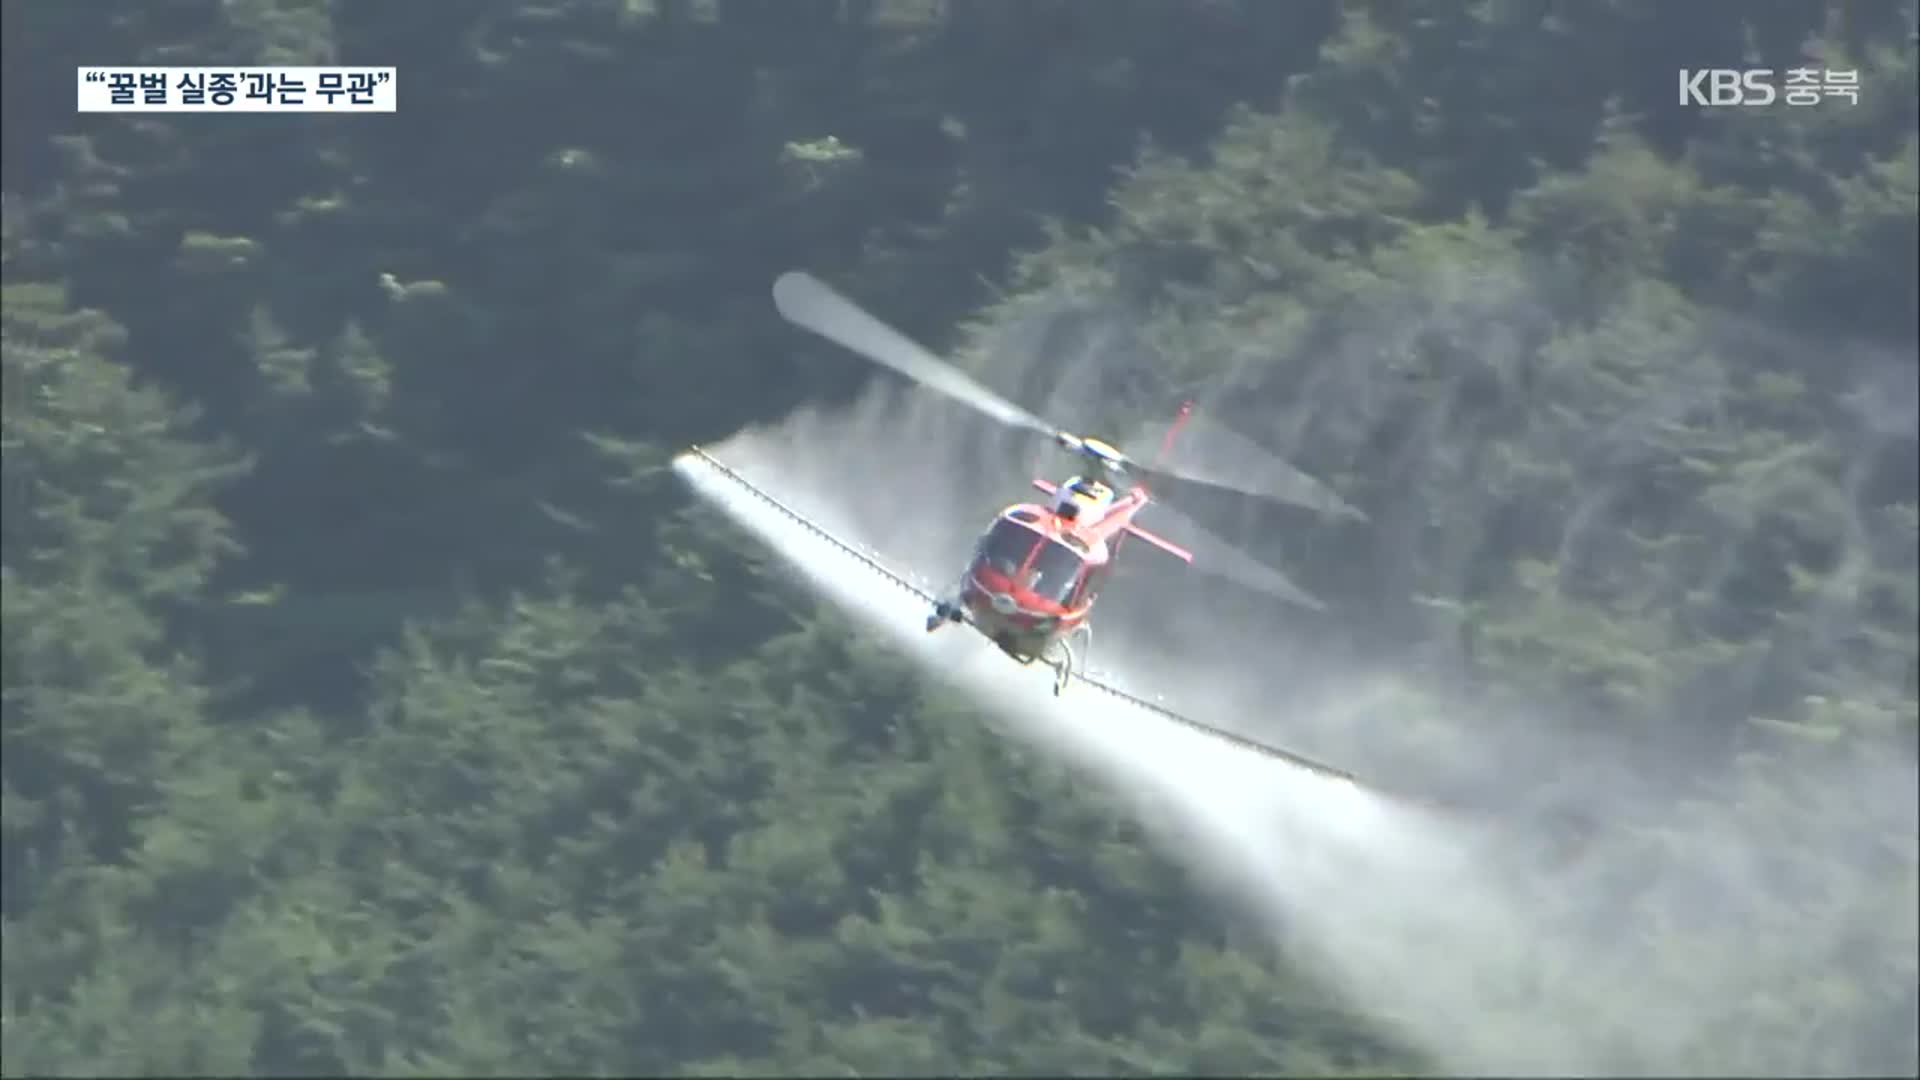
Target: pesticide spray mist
[[1658, 942]]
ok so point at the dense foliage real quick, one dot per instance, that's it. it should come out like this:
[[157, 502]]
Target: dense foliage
[[375, 701]]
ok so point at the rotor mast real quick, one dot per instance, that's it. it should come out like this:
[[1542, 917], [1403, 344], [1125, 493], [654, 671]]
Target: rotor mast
[[1106, 464]]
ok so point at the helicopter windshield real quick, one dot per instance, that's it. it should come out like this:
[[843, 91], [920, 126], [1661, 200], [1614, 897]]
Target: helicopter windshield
[[1056, 569], [1006, 546]]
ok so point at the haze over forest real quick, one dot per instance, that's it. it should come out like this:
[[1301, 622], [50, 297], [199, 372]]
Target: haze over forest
[[377, 700]]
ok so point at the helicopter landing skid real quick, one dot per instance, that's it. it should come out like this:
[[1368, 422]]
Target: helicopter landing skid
[[1058, 655], [1062, 664]]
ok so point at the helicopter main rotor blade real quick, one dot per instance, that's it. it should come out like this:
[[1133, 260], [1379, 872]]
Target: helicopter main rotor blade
[[1208, 454], [1214, 556], [807, 302], [1291, 489]]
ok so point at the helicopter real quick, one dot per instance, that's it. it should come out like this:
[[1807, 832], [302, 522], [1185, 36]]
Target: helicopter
[[1038, 567]]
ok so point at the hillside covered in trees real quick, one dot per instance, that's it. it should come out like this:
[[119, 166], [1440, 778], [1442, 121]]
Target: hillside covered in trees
[[376, 701]]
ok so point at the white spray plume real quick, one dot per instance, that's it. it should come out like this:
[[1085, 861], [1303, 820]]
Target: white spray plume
[[1678, 938]]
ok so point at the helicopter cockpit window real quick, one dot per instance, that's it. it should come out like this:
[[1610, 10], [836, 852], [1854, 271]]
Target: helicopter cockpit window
[[1056, 570], [1007, 545]]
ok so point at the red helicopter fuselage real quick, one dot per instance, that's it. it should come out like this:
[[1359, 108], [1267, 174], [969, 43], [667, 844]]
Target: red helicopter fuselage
[[1039, 568]]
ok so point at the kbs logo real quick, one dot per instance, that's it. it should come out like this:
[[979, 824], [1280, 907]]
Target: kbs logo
[[1756, 86], [1727, 86]]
